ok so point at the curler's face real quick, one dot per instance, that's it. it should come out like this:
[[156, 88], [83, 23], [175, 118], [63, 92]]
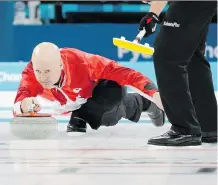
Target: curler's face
[[47, 64]]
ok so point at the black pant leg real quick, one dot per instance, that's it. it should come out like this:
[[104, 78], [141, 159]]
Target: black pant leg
[[134, 104], [109, 104], [183, 28], [202, 90], [106, 98]]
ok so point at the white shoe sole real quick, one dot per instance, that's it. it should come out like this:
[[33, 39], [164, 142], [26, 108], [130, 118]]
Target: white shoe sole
[[75, 134]]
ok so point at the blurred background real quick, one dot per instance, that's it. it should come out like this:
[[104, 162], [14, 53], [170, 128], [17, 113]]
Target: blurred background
[[86, 25]]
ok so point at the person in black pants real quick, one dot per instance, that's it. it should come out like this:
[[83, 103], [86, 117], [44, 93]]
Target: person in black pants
[[183, 74], [109, 104]]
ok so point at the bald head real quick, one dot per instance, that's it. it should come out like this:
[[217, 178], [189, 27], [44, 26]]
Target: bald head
[[46, 53], [46, 59]]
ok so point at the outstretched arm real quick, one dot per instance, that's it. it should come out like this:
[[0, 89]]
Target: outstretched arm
[[29, 87]]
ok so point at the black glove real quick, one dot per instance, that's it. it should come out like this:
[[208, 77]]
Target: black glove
[[149, 22]]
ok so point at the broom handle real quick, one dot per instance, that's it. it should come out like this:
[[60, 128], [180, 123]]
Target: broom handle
[[140, 36]]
